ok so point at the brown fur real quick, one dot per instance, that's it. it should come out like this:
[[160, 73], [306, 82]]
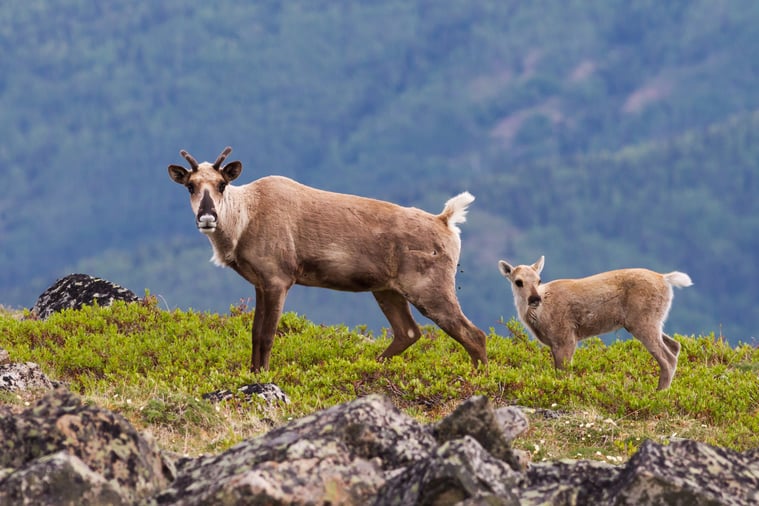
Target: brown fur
[[276, 232], [564, 311]]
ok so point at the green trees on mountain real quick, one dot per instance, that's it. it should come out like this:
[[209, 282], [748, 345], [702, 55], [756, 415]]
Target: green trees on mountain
[[603, 136]]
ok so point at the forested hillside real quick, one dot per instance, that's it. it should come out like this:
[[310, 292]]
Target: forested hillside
[[603, 135]]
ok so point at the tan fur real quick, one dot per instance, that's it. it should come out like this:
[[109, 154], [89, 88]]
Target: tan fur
[[564, 311], [276, 232]]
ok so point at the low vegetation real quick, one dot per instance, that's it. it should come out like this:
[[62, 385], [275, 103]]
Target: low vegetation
[[153, 366]]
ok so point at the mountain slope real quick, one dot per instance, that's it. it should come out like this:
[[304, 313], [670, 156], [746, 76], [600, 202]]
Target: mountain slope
[[407, 101]]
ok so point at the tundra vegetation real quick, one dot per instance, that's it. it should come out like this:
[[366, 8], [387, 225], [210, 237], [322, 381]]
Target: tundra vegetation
[[153, 365]]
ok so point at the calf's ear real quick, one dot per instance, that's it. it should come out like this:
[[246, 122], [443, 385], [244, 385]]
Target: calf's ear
[[505, 268], [538, 266]]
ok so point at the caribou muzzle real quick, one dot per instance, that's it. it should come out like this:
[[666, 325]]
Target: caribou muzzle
[[206, 219]]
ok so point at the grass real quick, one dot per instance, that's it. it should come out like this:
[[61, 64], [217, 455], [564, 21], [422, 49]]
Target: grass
[[152, 366]]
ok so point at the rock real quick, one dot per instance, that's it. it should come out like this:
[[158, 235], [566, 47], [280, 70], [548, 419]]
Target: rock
[[684, 472], [21, 377], [269, 392], [459, 470], [363, 452], [58, 479], [340, 455], [568, 482], [476, 417], [4, 357], [77, 290], [687, 472], [63, 448]]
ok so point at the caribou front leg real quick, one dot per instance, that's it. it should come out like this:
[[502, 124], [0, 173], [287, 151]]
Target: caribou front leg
[[269, 304]]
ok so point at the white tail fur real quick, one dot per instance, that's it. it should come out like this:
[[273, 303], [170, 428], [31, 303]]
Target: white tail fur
[[678, 279], [456, 209]]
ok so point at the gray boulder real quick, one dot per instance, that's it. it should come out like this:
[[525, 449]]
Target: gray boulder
[[77, 290], [458, 470], [495, 430], [366, 451], [60, 479], [681, 473], [269, 392], [362, 452], [342, 455], [16, 377], [688, 473], [63, 451]]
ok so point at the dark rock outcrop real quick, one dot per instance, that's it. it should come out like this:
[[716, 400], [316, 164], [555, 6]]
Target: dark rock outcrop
[[63, 451], [77, 290], [269, 392]]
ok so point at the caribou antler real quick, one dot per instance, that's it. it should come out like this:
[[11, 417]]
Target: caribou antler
[[222, 156], [193, 162]]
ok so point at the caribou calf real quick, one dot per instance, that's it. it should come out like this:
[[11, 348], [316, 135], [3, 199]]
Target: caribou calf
[[564, 311], [275, 233]]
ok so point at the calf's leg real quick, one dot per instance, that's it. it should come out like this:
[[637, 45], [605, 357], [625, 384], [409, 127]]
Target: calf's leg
[[673, 345], [674, 349], [562, 353], [662, 349]]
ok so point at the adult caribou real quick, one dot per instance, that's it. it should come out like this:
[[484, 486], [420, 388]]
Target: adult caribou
[[275, 233]]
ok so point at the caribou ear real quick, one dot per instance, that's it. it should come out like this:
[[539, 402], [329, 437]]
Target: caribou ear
[[231, 170], [538, 266], [505, 268], [179, 174]]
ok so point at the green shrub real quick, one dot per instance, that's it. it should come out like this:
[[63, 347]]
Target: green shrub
[[153, 366]]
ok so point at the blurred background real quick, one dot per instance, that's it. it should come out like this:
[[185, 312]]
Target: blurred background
[[599, 134]]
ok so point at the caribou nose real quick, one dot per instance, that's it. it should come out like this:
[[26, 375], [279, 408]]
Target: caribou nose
[[206, 219], [534, 300]]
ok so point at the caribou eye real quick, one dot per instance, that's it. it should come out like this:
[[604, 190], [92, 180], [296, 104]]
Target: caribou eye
[[222, 185], [519, 283], [191, 188]]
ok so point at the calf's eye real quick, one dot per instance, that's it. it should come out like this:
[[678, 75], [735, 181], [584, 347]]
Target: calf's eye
[[191, 188], [519, 283], [222, 185]]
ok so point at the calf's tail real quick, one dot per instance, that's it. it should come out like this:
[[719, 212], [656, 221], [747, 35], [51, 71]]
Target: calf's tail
[[678, 279]]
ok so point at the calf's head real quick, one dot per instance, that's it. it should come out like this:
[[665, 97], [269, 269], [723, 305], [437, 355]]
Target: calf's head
[[525, 280], [206, 183]]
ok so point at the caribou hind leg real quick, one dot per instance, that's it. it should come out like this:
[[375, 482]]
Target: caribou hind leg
[[663, 349], [445, 311], [397, 311]]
